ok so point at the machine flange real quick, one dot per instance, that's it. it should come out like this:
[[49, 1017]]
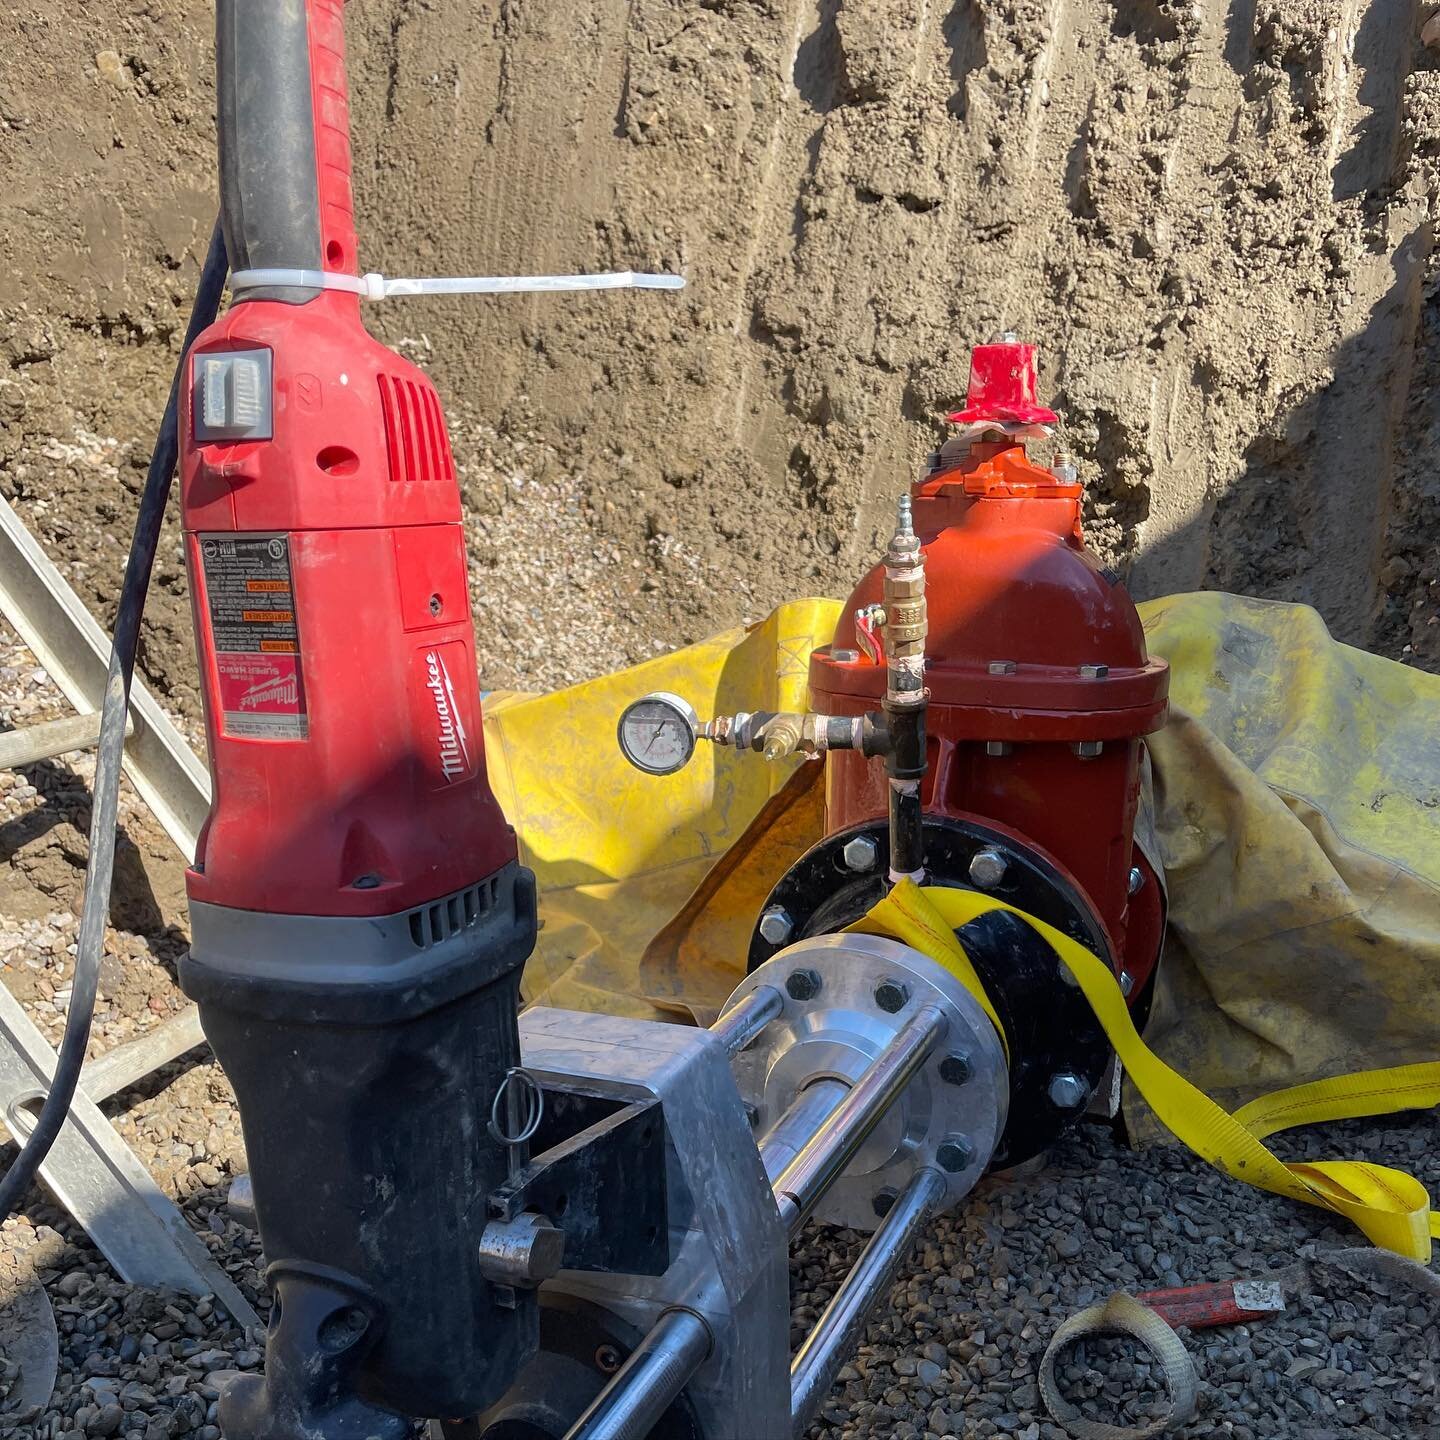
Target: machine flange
[[845, 998], [1048, 1023]]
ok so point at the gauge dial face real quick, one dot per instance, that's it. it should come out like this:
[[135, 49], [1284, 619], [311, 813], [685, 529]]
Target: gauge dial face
[[657, 733]]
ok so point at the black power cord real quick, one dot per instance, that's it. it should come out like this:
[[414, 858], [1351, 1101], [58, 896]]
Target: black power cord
[[100, 867]]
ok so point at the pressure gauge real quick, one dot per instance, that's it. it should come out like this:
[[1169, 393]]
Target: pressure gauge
[[657, 733]]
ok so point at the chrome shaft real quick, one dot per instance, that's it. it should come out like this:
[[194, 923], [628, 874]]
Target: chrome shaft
[[823, 1159], [800, 1124], [837, 1332], [646, 1385], [740, 1024]]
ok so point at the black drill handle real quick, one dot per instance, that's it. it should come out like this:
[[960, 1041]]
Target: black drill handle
[[284, 170]]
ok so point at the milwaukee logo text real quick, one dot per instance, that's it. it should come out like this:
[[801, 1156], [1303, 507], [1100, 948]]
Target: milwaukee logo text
[[282, 690], [454, 743]]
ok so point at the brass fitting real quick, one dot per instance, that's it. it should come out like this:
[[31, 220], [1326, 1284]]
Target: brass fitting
[[906, 615]]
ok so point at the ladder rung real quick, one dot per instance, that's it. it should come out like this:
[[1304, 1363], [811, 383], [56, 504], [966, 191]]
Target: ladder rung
[[52, 738]]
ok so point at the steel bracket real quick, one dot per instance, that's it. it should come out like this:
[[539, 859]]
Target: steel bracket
[[603, 1185]]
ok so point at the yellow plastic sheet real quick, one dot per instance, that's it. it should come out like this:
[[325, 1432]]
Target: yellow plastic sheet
[[617, 853], [1297, 814], [1297, 809]]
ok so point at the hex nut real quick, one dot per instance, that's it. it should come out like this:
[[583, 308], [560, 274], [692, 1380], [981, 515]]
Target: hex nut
[[1001, 667], [884, 1202], [860, 853], [1135, 880], [802, 984], [1094, 672], [776, 926], [955, 1068], [892, 996], [1067, 1090], [987, 868], [955, 1154]]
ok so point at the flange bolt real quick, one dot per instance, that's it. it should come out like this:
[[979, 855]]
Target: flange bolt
[[987, 868], [802, 984], [955, 1154], [884, 1202], [776, 926], [860, 853], [1136, 880], [1068, 1091], [955, 1069], [891, 996]]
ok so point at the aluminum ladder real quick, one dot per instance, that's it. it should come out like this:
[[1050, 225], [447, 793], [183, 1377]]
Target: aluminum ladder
[[90, 1170]]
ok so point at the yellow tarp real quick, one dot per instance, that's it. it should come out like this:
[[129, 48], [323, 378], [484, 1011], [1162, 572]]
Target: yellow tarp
[[618, 853], [1297, 807], [1297, 813]]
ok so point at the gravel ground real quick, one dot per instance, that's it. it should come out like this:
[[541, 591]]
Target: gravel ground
[[955, 1354], [959, 1350]]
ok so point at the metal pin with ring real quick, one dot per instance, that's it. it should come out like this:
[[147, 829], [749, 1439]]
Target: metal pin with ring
[[523, 1100]]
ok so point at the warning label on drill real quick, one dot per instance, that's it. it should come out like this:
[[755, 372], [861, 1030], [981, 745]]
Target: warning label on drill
[[257, 642]]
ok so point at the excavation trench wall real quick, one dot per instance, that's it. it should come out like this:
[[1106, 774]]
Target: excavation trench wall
[[1212, 218]]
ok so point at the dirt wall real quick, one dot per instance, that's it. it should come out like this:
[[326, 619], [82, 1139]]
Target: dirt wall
[[1213, 218]]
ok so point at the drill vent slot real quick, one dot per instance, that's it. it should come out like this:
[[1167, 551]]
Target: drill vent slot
[[414, 431], [431, 924]]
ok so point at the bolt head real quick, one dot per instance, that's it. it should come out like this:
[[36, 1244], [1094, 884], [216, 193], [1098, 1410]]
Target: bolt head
[[956, 1069], [1001, 667], [776, 926], [987, 868], [844, 657], [955, 1154], [1094, 672], [1127, 983], [802, 984], [997, 747], [1068, 1090], [884, 1202], [860, 853], [1136, 880], [892, 996], [1088, 749]]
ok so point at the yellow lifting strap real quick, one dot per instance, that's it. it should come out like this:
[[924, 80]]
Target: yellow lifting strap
[[1390, 1207]]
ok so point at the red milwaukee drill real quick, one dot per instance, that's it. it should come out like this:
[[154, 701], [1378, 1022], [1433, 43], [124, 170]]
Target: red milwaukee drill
[[359, 916]]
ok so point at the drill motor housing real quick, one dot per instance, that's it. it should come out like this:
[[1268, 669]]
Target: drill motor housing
[[358, 912]]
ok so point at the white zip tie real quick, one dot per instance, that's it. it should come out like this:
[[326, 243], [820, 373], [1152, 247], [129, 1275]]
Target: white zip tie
[[377, 287]]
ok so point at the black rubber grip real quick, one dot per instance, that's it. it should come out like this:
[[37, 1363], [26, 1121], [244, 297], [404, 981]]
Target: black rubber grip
[[269, 192]]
